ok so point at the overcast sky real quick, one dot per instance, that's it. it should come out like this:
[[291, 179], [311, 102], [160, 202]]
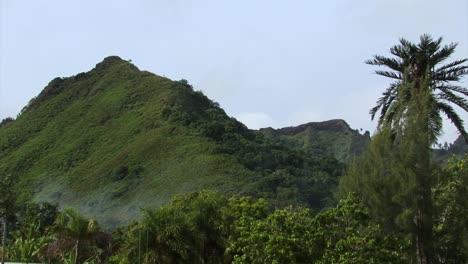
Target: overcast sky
[[268, 63]]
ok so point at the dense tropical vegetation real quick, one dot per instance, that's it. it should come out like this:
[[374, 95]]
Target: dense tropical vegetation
[[175, 180]]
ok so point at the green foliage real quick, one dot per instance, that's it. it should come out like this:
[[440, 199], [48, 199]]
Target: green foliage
[[72, 258], [206, 227], [390, 177], [28, 244], [29, 235], [285, 236], [311, 187], [348, 235], [377, 177], [8, 197], [42, 216], [190, 230], [77, 238], [451, 210], [71, 224], [344, 234]]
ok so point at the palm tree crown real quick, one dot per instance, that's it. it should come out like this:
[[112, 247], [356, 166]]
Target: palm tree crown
[[418, 66]]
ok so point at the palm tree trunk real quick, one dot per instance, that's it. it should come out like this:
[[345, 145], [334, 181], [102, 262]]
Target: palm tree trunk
[[77, 244], [3, 239]]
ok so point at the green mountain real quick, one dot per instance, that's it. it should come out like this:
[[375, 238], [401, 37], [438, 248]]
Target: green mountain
[[115, 139], [330, 138]]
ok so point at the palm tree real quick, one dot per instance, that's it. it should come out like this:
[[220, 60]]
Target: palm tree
[[411, 107], [413, 63], [70, 224]]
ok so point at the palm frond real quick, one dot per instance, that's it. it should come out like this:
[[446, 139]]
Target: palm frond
[[444, 53], [388, 105], [452, 74], [389, 74], [453, 98], [454, 118], [454, 88], [407, 45], [393, 64], [450, 65], [387, 98], [435, 122], [391, 116], [428, 46]]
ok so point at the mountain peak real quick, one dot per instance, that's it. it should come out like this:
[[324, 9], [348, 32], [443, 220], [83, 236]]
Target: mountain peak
[[109, 61], [337, 125]]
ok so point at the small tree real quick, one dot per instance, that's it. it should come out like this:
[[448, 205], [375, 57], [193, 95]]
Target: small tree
[[6, 121], [71, 225]]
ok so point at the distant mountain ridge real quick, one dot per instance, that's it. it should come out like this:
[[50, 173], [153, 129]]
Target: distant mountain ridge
[[335, 125], [334, 138]]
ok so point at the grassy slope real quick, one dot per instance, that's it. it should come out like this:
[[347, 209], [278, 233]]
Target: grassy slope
[[70, 142], [334, 138]]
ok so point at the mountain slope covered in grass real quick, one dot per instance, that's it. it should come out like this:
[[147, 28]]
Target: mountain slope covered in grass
[[116, 139]]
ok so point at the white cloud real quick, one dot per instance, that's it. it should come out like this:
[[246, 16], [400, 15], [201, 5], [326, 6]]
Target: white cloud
[[255, 120]]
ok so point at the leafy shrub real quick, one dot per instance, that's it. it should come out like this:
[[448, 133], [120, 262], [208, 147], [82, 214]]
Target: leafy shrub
[[6, 121]]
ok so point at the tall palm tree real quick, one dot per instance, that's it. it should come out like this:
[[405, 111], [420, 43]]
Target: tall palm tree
[[411, 107], [411, 64]]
